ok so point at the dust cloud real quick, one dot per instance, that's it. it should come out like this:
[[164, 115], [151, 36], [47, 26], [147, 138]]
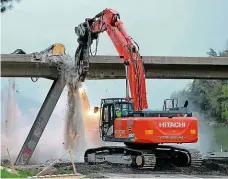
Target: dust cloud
[[206, 141], [12, 111], [75, 138], [81, 127], [10, 125], [70, 127], [67, 128]]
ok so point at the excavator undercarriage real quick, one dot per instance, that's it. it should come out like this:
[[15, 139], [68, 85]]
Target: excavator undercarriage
[[141, 157]]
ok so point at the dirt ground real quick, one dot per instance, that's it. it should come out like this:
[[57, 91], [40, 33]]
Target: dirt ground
[[208, 169]]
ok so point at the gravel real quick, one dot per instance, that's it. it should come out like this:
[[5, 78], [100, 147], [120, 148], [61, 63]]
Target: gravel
[[208, 168]]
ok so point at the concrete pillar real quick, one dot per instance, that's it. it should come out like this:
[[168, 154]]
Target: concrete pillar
[[40, 122]]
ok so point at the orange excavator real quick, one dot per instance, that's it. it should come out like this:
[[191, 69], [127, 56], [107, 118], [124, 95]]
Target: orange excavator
[[128, 120]]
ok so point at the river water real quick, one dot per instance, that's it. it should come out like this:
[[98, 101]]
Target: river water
[[220, 137]]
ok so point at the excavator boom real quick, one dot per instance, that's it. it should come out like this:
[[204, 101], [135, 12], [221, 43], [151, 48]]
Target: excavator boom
[[109, 21]]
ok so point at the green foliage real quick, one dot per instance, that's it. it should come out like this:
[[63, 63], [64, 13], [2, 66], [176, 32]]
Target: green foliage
[[212, 53], [21, 174], [7, 5], [224, 102], [209, 97]]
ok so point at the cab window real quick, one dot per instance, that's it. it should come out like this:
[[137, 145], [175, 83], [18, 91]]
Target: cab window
[[127, 107], [105, 113], [123, 109]]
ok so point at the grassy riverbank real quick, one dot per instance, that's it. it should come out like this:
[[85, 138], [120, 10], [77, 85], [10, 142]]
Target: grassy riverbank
[[6, 173]]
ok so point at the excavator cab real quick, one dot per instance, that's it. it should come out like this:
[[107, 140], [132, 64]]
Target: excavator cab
[[112, 108]]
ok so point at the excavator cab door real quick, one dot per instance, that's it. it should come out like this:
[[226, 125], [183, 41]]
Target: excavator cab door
[[107, 120]]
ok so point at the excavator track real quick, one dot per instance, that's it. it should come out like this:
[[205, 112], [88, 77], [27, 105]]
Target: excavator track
[[144, 158], [196, 157], [185, 156], [121, 155]]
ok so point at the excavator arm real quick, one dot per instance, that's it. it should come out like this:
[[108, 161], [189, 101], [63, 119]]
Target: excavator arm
[[109, 20]]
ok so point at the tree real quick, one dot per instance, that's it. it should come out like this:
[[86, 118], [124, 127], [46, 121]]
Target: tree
[[7, 5], [212, 53], [209, 97], [224, 103]]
